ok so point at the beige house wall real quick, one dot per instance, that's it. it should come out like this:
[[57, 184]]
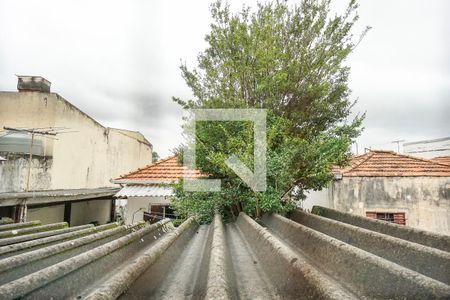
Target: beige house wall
[[86, 158], [81, 213], [137, 205], [425, 200], [13, 173], [321, 198]]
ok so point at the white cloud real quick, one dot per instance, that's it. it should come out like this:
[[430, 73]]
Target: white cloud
[[118, 61]]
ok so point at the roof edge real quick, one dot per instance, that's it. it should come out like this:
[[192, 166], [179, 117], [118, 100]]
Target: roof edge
[[144, 182], [146, 166]]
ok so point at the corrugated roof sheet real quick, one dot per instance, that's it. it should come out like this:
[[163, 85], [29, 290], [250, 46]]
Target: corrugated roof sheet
[[54, 196], [144, 191], [378, 163], [167, 169], [309, 256]]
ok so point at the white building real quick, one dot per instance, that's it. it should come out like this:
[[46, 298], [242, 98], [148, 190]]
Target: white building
[[146, 192], [428, 148], [82, 155]]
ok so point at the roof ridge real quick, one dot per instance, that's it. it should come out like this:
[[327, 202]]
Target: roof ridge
[[165, 169], [390, 163], [421, 159], [147, 166], [382, 151], [369, 155], [160, 161]]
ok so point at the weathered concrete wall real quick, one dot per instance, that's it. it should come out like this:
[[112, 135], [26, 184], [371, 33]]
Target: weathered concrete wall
[[424, 200], [90, 211], [48, 215], [86, 158], [81, 213], [322, 198], [13, 172]]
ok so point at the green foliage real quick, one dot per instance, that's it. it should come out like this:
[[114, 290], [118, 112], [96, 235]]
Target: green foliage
[[155, 156], [290, 61]]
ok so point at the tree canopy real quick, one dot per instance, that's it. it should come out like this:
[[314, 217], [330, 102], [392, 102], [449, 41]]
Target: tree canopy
[[290, 60], [155, 156]]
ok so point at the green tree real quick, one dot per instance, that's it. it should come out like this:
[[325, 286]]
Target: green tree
[[290, 60], [155, 156]]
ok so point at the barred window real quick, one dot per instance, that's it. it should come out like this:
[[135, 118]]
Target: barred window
[[393, 217]]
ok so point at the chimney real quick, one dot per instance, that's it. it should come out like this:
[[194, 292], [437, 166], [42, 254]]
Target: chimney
[[33, 84]]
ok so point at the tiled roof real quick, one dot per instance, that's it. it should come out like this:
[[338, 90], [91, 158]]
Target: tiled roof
[[378, 163], [442, 160], [167, 169]]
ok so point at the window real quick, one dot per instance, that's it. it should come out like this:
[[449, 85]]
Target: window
[[159, 212], [393, 217]]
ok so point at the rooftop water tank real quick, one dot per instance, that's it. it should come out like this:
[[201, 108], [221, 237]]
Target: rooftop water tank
[[33, 83]]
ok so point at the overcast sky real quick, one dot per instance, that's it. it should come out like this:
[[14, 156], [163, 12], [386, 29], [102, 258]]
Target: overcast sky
[[118, 62]]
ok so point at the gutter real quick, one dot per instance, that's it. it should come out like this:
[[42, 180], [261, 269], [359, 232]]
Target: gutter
[[125, 181], [47, 197]]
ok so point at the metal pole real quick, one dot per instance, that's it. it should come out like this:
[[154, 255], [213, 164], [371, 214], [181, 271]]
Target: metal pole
[[23, 215], [398, 144], [29, 161]]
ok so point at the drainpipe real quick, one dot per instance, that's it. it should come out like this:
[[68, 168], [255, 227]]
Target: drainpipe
[[29, 161], [20, 214]]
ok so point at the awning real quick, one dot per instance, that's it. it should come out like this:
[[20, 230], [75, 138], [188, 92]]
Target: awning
[[144, 191], [55, 196]]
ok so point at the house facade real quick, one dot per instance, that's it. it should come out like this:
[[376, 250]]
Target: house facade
[[50, 145], [146, 192], [398, 188]]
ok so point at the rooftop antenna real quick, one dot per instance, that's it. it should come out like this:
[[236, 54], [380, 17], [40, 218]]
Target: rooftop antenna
[[398, 144], [48, 132]]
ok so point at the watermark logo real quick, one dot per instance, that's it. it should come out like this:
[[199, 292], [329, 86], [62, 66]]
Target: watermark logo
[[256, 180]]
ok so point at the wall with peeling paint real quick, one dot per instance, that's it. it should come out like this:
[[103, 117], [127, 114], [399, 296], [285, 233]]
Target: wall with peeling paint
[[86, 158], [13, 172], [424, 200], [49, 215]]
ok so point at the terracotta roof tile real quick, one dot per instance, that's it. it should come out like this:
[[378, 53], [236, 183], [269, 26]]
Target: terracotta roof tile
[[378, 163], [442, 160], [165, 169]]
